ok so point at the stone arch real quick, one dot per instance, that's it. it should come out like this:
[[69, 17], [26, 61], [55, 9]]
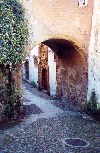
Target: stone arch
[[77, 44], [72, 67]]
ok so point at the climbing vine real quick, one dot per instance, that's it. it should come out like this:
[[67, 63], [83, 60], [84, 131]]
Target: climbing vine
[[13, 32], [13, 38]]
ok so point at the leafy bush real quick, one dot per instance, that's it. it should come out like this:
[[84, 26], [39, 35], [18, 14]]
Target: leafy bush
[[13, 32]]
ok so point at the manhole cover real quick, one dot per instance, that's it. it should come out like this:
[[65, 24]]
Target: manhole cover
[[76, 142]]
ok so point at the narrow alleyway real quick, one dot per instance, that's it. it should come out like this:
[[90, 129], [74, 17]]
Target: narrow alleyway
[[45, 128]]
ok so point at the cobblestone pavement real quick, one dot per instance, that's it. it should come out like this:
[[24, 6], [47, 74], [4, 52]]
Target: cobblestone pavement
[[45, 128]]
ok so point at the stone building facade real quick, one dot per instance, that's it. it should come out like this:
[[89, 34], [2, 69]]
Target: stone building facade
[[71, 29], [65, 27]]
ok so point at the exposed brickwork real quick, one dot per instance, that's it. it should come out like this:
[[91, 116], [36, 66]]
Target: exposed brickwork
[[43, 64], [72, 76]]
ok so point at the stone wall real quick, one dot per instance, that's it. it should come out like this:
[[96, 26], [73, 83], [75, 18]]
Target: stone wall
[[3, 89], [58, 19], [72, 75], [10, 95]]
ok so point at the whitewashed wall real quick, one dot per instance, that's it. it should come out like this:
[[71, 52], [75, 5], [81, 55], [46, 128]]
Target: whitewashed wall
[[23, 68], [52, 72], [23, 72], [33, 71], [94, 53]]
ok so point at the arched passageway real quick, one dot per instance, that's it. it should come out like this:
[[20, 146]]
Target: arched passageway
[[71, 71], [59, 66]]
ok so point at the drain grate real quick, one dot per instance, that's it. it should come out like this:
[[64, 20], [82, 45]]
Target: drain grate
[[76, 142]]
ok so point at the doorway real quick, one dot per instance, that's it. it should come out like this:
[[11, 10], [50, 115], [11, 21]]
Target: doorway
[[44, 79], [27, 70]]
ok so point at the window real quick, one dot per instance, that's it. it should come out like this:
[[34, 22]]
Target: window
[[82, 2]]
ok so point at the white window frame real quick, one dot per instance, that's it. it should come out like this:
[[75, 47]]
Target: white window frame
[[80, 3]]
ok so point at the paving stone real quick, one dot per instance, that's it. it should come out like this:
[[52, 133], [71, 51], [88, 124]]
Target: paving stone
[[39, 133]]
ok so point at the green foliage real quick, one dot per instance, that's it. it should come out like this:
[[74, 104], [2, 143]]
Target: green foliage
[[34, 84], [13, 32], [92, 104]]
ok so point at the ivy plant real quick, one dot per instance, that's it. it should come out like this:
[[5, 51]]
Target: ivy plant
[[13, 32], [13, 38]]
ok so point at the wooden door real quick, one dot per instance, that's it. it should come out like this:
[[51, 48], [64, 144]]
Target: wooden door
[[44, 79]]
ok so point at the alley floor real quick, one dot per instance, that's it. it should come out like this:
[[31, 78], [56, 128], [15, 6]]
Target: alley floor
[[45, 128]]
